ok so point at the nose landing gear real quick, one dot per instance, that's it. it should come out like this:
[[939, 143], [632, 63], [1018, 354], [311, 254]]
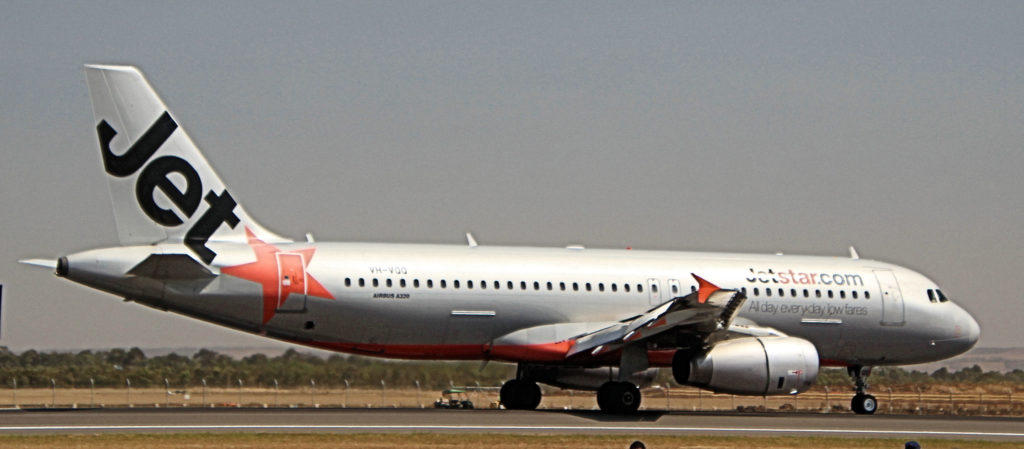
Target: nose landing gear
[[862, 403]]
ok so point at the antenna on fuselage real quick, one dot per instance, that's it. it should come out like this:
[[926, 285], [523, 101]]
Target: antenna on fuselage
[[853, 253], [470, 240]]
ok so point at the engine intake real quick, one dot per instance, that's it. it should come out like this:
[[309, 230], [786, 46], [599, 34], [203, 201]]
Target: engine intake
[[751, 366]]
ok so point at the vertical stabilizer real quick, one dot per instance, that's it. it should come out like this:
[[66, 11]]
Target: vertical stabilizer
[[162, 187]]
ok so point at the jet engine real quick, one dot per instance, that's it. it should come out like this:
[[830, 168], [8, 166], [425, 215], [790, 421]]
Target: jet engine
[[591, 379], [751, 366]]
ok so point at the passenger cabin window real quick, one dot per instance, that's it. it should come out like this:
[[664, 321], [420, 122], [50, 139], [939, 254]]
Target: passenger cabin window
[[416, 283], [430, 283], [348, 282]]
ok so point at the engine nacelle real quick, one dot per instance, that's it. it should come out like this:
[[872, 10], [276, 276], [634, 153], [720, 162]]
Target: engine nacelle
[[583, 378], [751, 366]]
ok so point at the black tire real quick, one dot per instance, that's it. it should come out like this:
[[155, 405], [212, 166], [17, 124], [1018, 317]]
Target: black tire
[[533, 394], [519, 394], [864, 404], [602, 398], [509, 395], [618, 397]]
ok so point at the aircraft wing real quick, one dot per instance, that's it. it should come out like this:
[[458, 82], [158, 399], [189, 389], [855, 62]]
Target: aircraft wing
[[708, 312]]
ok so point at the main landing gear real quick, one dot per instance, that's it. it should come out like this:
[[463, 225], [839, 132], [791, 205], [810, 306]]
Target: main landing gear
[[618, 397], [520, 394], [862, 403], [612, 397]]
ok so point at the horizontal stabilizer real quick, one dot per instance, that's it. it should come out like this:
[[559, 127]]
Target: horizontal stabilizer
[[171, 267]]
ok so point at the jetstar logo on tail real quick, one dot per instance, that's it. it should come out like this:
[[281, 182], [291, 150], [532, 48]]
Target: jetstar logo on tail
[[278, 282], [155, 176]]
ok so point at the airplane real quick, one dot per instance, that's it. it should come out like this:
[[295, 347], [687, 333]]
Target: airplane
[[600, 320]]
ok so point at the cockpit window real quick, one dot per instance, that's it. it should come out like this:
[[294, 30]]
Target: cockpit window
[[935, 295]]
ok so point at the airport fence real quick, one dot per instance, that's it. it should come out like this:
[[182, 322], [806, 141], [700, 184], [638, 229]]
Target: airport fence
[[911, 400]]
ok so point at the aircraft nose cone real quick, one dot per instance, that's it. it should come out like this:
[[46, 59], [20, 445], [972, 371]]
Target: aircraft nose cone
[[972, 331], [966, 333]]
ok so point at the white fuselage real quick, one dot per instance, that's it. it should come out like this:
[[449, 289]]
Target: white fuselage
[[452, 302]]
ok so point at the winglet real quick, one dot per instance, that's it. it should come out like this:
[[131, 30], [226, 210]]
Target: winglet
[[705, 289]]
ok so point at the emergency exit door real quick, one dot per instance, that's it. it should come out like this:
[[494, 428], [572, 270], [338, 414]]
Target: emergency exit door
[[292, 288]]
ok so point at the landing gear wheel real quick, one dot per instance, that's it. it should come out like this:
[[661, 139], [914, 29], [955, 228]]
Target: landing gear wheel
[[518, 394], [864, 404], [618, 397]]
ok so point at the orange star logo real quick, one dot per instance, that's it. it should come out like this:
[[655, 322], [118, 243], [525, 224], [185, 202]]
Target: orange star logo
[[281, 273]]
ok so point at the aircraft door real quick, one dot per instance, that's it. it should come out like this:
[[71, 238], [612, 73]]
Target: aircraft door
[[892, 298], [654, 291], [291, 286]]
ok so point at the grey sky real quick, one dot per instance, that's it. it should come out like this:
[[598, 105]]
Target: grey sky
[[897, 127]]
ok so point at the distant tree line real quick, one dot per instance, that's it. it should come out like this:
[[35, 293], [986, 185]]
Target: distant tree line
[[111, 368]]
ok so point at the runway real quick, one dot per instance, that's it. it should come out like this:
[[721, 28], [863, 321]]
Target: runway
[[503, 421]]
